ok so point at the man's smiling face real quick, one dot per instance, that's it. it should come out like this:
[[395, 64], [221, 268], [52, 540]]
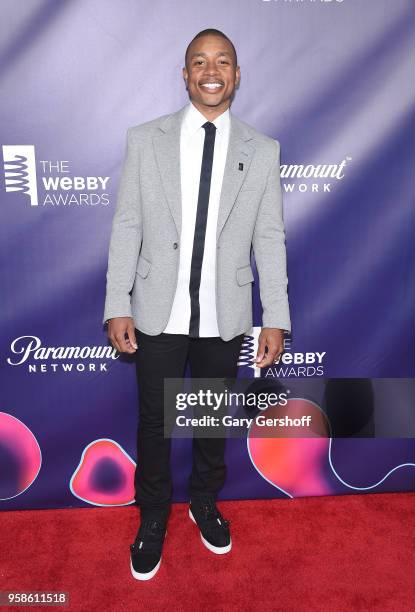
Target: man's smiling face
[[211, 74]]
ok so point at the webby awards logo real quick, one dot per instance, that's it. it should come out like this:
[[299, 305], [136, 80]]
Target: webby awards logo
[[50, 183], [289, 365], [20, 171]]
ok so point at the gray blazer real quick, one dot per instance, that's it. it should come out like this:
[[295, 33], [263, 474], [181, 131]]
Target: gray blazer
[[144, 247]]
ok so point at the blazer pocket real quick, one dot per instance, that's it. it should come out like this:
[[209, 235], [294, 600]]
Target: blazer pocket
[[143, 266], [249, 192], [244, 275]]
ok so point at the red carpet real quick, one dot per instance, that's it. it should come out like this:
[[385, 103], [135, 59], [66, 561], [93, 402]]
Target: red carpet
[[326, 553]]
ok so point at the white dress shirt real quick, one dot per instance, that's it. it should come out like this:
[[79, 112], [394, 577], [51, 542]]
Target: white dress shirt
[[191, 149]]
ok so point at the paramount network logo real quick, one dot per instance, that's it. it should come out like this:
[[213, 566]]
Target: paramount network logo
[[312, 177], [33, 355], [20, 170]]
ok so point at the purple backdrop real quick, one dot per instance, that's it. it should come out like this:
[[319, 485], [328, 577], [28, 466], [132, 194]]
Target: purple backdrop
[[332, 81]]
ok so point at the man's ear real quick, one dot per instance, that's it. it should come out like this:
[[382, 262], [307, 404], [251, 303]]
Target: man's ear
[[238, 77], [184, 72]]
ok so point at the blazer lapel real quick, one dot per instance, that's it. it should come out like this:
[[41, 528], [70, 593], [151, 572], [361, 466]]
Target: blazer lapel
[[239, 152], [167, 151]]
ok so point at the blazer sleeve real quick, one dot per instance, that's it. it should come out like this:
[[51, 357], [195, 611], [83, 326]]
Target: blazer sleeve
[[126, 237], [269, 249]]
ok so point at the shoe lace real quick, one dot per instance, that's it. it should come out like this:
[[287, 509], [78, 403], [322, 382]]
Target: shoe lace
[[150, 535], [211, 513]]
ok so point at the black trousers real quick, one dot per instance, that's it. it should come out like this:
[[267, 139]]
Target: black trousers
[[165, 356]]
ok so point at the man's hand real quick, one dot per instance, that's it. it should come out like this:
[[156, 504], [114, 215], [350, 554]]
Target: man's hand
[[273, 338], [117, 328]]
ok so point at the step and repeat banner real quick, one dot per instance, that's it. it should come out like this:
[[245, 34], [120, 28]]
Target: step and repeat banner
[[332, 81]]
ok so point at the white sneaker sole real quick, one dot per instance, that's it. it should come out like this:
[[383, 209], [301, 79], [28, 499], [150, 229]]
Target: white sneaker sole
[[147, 575], [218, 550]]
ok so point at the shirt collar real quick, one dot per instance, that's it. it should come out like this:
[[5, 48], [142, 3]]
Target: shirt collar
[[193, 119]]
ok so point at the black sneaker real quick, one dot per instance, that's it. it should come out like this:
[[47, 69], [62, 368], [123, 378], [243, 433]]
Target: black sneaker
[[145, 557], [214, 529]]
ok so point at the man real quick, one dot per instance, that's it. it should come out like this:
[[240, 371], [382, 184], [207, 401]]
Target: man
[[199, 187]]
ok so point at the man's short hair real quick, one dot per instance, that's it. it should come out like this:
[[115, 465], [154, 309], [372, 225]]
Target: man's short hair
[[213, 32]]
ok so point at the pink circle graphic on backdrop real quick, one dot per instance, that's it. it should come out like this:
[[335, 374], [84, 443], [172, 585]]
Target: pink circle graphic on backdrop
[[105, 475], [21, 457], [295, 465]]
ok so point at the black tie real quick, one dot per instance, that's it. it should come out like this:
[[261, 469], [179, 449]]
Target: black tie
[[200, 227]]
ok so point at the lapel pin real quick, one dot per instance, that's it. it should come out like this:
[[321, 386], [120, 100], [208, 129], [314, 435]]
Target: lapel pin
[[241, 166]]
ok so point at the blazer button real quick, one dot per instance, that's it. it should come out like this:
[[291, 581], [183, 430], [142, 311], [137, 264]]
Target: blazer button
[[175, 245]]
